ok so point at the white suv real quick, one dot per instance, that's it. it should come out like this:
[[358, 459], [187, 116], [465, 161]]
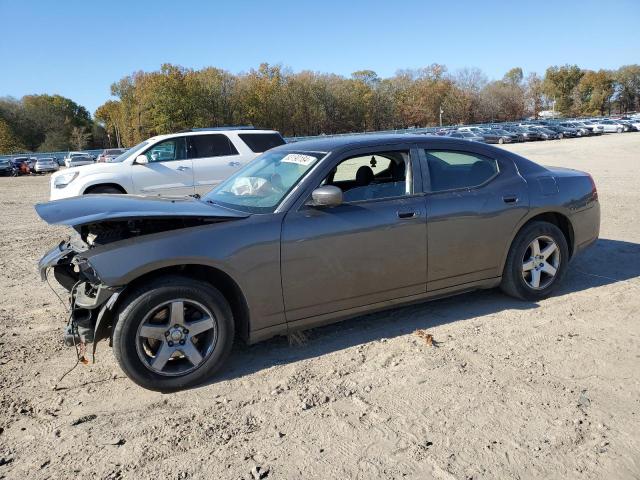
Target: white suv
[[179, 164]]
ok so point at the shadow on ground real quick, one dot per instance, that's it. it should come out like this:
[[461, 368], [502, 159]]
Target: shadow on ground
[[607, 262]]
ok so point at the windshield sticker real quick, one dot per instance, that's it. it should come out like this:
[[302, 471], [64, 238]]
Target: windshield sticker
[[299, 158]]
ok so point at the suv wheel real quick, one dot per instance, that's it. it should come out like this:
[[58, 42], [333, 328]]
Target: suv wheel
[[536, 263], [173, 333]]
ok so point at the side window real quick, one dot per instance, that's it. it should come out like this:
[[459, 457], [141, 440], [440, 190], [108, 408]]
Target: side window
[[261, 142], [214, 145], [449, 170], [372, 176], [168, 150]]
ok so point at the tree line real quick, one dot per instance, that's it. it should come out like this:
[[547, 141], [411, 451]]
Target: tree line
[[309, 103]]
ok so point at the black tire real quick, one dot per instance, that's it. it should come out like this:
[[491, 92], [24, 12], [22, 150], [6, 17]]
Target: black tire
[[513, 282], [107, 189], [143, 300]]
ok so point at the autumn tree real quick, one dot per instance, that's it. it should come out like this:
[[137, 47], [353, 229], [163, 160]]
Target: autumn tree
[[559, 84], [594, 92]]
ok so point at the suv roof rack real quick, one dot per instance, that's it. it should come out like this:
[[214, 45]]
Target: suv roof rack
[[228, 127]]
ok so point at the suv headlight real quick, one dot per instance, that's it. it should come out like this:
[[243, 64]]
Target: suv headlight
[[65, 179]]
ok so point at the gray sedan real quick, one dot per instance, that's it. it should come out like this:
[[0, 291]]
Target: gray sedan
[[307, 234]]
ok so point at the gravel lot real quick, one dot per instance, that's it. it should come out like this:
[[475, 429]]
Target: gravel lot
[[511, 389]]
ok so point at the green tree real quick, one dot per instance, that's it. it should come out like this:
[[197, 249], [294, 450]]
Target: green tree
[[9, 141], [514, 76], [595, 91], [559, 85], [628, 87]]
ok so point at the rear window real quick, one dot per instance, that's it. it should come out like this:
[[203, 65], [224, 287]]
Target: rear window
[[261, 142], [204, 146]]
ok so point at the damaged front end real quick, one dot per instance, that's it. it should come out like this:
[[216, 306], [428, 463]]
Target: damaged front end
[[100, 220], [90, 300]]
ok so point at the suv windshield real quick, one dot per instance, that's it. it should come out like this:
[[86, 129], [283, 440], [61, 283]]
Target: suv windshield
[[262, 184], [130, 153]]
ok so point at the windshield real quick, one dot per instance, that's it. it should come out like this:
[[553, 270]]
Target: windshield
[[129, 153], [262, 184]]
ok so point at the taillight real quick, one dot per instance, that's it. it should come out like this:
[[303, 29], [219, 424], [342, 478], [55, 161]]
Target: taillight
[[594, 190]]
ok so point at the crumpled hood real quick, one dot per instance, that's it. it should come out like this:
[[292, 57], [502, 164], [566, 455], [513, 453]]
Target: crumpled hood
[[97, 208]]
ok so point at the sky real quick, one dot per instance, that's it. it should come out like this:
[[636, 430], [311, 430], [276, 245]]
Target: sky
[[79, 48]]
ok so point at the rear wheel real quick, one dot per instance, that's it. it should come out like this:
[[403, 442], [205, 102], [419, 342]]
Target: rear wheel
[[173, 333], [536, 263], [501, 141], [103, 189], [560, 135], [619, 129]]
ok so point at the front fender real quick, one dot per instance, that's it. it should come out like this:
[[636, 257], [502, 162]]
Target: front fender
[[246, 249]]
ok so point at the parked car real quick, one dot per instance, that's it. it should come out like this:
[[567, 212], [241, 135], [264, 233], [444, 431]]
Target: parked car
[[544, 133], [636, 123], [6, 168], [31, 161], [110, 154], [581, 130], [179, 164], [515, 137], [466, 136], [610, 126], [562, 131], [46, 164], [71, 155], [628, 125], [476, 130], [21, 165], [307, 234], [594, 127], [493, 137], [527, 134], [79, 160]]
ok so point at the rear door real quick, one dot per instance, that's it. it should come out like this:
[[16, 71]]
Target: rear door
[[168, 172], [214, 158], [474, 202]]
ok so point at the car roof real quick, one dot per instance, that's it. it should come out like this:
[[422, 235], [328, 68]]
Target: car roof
[[329, 144], [212, 131]]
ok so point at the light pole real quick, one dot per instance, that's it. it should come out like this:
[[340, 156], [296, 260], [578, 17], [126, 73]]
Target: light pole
[[441, 112]]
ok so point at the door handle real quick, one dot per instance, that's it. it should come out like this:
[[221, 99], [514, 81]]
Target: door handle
[[510, 199], [409, 214], [182, 168], [234, 164]]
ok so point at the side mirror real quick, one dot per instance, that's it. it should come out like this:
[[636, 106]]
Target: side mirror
[[327, 196], [142, 160]]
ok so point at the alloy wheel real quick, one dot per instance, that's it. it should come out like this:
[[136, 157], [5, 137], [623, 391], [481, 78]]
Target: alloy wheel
[[540, 262], [176, 337]]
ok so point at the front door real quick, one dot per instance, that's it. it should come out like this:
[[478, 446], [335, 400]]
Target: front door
[[370, 249], [168, 172], [474, 204]]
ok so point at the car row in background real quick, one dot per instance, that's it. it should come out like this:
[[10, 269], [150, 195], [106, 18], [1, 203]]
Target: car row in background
[[27, 165], [513, 132]]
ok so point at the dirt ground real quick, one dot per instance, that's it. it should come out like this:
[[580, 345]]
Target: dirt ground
[[510, 389]]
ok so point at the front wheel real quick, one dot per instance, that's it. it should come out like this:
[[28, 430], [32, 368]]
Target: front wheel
[[105, 189], [536, 262], [500, 141], [619, 129], [173, 333]]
